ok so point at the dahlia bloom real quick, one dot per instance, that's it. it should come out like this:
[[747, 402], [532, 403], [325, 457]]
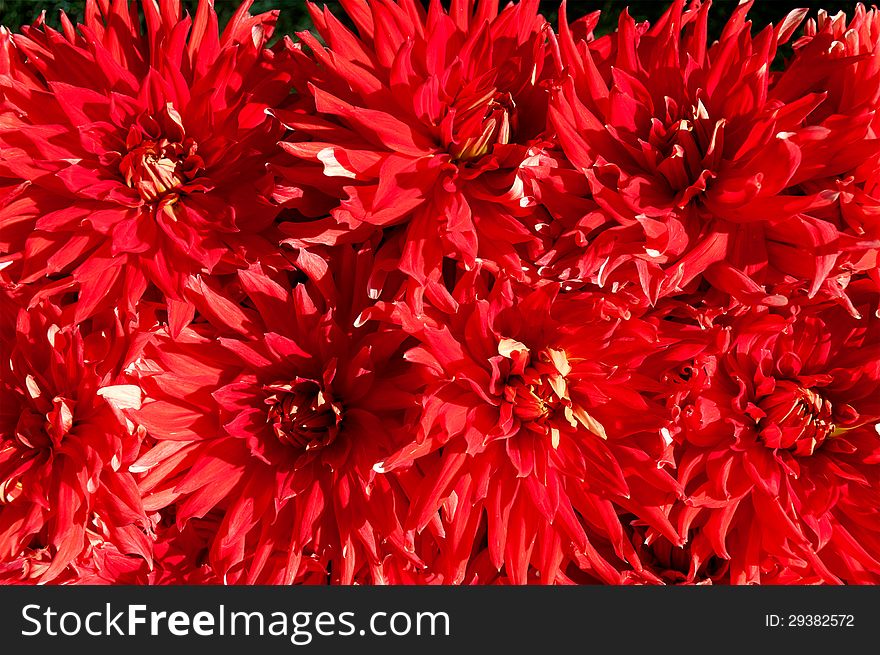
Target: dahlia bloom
[[66, 494], [275, 418], [420, 120], [535, 432], [439, 295], [842, 60], [777, 445], [701, 164], [136, 157]]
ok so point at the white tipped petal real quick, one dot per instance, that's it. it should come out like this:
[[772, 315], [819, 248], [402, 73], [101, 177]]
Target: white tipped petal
[[506, 347], [122, 396], [332, 167]]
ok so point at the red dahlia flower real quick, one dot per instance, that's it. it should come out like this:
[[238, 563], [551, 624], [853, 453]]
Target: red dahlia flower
[[277, 424], [535, 432], [778, 448], [67, 497], [140, 156], [422, 120], [842, 60], [702, 155], [438, 296]]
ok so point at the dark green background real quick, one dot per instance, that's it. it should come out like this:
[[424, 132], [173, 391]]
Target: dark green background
[[14, 13]]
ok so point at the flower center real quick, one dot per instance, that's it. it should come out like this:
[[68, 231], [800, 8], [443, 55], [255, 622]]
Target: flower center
[[477, 122], [672, 563], [160, 161], [158, 169], [685, 150], [537, 389], [797, 419], [302, 415], [47, 421], [41, 428]]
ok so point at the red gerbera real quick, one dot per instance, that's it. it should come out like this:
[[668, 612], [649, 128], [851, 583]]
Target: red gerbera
[[141, 156]]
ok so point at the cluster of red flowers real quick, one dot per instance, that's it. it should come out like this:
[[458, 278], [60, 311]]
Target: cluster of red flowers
[[439, 293]]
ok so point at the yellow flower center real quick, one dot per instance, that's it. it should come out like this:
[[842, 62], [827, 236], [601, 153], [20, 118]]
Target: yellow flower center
[[538, 389]]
